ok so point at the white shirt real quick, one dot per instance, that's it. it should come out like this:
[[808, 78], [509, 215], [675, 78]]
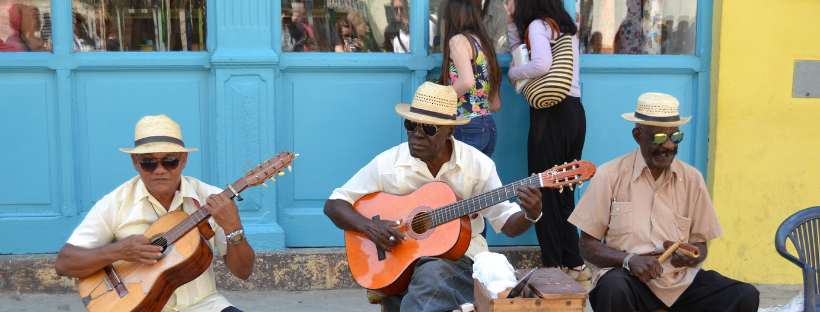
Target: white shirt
[[405, 39], [130, 209], [469, 172]]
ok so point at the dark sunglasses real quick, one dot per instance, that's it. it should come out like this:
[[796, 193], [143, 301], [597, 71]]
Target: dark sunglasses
[[660, 138], [398, 9], [429, 130], [150, 164]]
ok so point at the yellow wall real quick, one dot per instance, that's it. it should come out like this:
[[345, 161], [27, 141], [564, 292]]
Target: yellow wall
[[765, 158]]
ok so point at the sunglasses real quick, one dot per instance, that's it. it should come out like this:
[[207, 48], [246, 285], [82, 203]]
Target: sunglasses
[[150, 164], [398, 9], [660, 138], [429, 130]]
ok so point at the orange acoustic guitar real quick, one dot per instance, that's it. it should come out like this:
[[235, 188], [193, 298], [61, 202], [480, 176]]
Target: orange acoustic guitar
[[186, 254], [436, 224]]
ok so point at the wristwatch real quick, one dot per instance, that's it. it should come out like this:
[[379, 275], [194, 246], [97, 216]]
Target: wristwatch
[[236, 237], [536, 219], [626, 263]]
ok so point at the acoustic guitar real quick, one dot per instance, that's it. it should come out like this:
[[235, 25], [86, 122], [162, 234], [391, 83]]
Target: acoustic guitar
[[436, 223], [186, 254]]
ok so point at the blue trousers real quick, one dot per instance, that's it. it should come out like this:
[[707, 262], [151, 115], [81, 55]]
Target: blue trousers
[[437, 285], [480, 133]]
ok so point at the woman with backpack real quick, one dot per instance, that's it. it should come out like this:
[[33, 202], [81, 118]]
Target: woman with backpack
[[557, 132]]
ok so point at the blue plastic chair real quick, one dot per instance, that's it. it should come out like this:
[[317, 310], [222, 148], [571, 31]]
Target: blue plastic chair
[[803, 228]]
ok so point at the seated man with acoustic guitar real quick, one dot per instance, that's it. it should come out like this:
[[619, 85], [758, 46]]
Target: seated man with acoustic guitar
[[431, 154], [113, 229], [638, 202]]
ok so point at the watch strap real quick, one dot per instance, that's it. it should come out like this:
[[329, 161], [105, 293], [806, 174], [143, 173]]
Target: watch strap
[[626, 262], [239, 232]]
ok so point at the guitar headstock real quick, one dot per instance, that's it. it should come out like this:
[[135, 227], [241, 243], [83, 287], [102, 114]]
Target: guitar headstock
[[266, 170], [574, 173]]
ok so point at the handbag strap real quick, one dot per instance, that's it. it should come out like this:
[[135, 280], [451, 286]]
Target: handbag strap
[[555, 32]]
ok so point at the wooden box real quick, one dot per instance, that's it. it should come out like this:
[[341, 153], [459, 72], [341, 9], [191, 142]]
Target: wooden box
[[548, 290]]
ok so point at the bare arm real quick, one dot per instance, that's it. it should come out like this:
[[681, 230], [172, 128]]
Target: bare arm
[[30, 28], [461, 52], [81, 262], [378, 231], [529, 198], [239, 257], [495, 103], [643, 267]]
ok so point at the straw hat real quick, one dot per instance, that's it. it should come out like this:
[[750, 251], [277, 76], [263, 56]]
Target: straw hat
[[157, 134], [433, 104], [657, 109]]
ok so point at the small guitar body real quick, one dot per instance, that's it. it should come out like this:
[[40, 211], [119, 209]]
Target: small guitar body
[[391, 275], [436, 223], [148, 287], [186, 254]]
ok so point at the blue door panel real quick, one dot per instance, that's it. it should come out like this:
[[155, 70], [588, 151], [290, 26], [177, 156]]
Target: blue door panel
[[28, 165], [339, 123], [109, 106]]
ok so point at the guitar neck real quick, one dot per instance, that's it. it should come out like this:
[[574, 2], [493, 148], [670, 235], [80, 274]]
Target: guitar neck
[[194, 219], [474, 204]]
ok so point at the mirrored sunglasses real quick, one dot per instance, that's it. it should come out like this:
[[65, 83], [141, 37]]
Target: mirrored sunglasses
[[429, 130], [150, 164], [660, 138]]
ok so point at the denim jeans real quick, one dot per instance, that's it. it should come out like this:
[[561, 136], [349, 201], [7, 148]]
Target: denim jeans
[[480, 133], [437, 285]]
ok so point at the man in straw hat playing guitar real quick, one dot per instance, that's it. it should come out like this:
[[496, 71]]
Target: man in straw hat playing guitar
[[637, 202], [431, 154], [113, 229]]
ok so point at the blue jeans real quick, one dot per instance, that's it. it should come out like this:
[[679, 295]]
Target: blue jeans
[[480, 133], [437, 285]]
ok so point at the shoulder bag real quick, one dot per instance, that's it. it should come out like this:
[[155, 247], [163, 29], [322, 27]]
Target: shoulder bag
[[554, 86]]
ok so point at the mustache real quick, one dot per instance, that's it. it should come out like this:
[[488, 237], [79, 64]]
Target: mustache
[[665, 151]]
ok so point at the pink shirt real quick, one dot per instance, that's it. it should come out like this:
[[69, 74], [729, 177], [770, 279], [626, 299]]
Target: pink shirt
[[10, 21], [541, 54]]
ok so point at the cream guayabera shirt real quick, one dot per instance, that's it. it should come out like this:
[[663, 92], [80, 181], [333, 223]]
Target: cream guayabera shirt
[[130, 209], [469, 172], [627, 208]]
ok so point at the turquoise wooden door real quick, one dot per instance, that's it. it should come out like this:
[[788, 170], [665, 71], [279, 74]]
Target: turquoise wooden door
[[336, 110]]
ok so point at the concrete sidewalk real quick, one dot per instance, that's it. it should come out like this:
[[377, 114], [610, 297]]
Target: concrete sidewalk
[[342, 300]]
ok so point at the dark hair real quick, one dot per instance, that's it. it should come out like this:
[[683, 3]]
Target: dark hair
[[342, 21], [464, 17], [527, 11]]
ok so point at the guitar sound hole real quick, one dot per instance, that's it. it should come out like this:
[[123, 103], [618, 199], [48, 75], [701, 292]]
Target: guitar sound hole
[[421, 222], [161, 242]]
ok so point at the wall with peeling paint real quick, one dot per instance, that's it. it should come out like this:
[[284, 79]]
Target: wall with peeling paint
[[763, 162]]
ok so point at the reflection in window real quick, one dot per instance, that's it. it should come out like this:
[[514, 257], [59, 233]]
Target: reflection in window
[[638, 27], [139, 25], [25, 25], [347, 26], [494, 19]]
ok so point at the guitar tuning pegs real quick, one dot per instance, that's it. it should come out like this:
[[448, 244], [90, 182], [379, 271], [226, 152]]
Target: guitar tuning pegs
[[295, 155], [570, 187], [561, 189], [265, 185], [281, 173], [574, 160], [290, 169], [580, 184], [272, 179]]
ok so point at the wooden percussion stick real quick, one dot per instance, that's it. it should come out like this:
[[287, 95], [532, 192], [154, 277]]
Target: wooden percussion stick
[[671, 249], [690, 254]]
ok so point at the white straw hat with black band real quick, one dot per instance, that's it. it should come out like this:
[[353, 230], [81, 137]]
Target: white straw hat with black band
[[157, 134], [433, 104], [657, 109]]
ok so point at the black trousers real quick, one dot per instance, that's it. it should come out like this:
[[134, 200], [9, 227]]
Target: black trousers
[[557, 136], [231, 309], [710, 291]]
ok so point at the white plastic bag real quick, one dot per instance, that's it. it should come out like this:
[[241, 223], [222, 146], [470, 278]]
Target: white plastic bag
[[494, 271]]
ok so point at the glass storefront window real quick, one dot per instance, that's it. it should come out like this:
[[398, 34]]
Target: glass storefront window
[[494, 18], [139, 25], [25, 25], [346, 26], [638, 27]]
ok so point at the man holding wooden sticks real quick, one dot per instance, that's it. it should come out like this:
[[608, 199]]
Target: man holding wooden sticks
[[639, 201], [112, 230], [432, 154]]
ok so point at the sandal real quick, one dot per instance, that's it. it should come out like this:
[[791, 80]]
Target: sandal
[[583, 273]]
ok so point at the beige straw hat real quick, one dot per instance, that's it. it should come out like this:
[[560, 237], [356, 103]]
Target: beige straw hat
[[157, 134], [657, 109], [433, 104]]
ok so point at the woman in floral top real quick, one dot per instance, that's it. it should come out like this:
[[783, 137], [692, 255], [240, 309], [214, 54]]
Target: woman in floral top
[[468, 50]]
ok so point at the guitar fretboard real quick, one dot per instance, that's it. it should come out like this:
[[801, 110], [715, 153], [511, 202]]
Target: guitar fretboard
[[473, 204]]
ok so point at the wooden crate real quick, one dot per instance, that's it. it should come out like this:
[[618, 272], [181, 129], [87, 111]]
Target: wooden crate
[[548, 290]]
